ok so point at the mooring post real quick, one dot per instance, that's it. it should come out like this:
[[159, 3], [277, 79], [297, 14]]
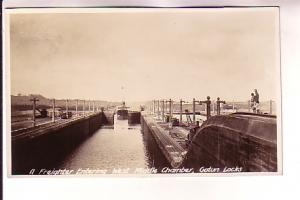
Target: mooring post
[[208, 103], [270, 107], [34, 100], [53, 110], [67, 109], [219, 105], [180, 112], [194, 110]]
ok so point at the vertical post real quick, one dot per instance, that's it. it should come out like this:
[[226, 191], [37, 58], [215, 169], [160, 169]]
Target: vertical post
[[194, 110], [180, 112], [76, 108], [33, 114], [151, 107], [67, 109], [83, 108], [152, 110], [219, 105], [89, 106], [93, 106], [154, 107], [53, 110], [233, 105], [163, 110], [270, 107], [34, 100], [208, 114], [158, 111], [208, 103], [167, 108], [155, 111], [170, 110]]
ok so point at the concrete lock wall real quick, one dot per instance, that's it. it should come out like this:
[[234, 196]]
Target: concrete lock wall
[[134, 117], [235, 141], [49, 148], [238, 141], [108, 117]]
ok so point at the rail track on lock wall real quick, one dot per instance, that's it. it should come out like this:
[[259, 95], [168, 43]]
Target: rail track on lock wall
[[41, 128]]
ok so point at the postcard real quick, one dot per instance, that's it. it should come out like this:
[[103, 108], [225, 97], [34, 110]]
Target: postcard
[[143, 91]]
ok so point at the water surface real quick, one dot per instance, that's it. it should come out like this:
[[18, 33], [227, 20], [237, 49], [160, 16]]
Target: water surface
[[124, 147]]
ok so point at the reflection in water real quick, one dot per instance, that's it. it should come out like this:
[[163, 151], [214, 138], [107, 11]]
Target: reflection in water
[[123, 147]]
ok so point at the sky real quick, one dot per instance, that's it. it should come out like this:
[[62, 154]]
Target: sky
[[145, 54]]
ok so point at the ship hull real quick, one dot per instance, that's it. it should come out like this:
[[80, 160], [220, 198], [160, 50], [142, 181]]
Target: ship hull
[[122, 114]]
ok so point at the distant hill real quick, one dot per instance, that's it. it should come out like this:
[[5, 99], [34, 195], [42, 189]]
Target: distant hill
[[22, 102], [25, 100]]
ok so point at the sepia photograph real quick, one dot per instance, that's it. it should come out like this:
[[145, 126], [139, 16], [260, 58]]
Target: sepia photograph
[[143, 91]]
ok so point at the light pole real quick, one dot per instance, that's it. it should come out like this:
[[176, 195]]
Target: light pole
[[76, 107], [219, 105], [163, 110], [53, 110], [180, 116], [194, 110], [83, 108], [208, 103]]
